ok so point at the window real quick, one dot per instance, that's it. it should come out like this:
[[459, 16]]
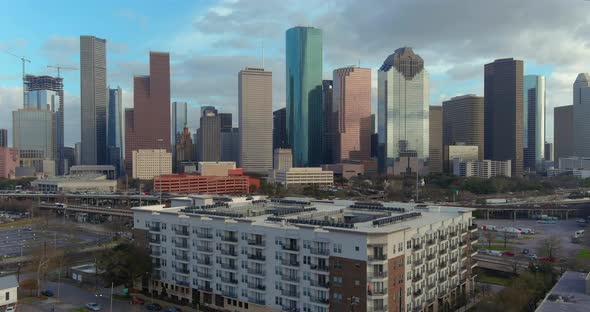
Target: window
[[357, 264], [409, 245], [357, 283], [356, 248], [7, 296]]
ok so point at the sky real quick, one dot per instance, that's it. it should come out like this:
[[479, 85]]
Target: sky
[[211, 40]]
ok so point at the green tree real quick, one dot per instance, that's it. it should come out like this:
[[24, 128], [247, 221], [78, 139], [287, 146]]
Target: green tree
[[124, 264]]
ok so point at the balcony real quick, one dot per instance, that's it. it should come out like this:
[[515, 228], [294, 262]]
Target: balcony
[[321, 284], [204, 261], [258, 301], [431, 271], [430, 242], [442, 238], [380, 274], [452, 272], [382, 308], [256, 242], [442, 264], [205, 235], [290, 262], [202, 248], [181, 257], [155, 228], [322, 268], [258, 272], [230, 294], [229, 238], [417, 293], [453, 234], [182, 271], [442, 251], [378, 292], [417, 277], [290, 293], [418, 262], [430, 257], [206, 288], [290, 278], [229, 252], [472, 228], [319, 300], [431, 285], [155, 253], [229, 280], [319, 251], [154, 240], [257, 286], [442, 279], [229, 266], [181, 283], [378, 257], [454, 259], [290, 247], [181, 232], [204, 275], [183, 245], [258, 257], [156, 265], [417, 247]]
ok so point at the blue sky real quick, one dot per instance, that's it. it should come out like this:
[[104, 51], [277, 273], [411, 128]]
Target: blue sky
[[210, 41]]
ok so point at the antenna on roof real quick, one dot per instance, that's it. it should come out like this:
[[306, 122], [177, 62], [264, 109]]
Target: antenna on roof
[[262, 54]]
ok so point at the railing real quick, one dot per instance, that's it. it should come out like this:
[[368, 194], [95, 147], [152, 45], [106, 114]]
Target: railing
[[382, 308], [418, 262], [155, 253], [229, 280], [155, 228], [442, 251], [378, 257], [230, 294], [181, 257], [319, 251], [255, 242], [430, 242], [229, 266], [323, 268], [430, 257], [259, 257], [380, 274], [417, 247], [442, 264], [229, 252], [323, 284], [156, 265], [229, 238], [290, 293], [204, 248], [205, 288], [204, 275], [431, 285], [431, 271], [442, 238], [289, 262], [256, 272], [183, 245], [205, 235], [154, 240], [453, 260], [181, 232], [378, 292], [258, 301], [442, 279], [257, 286], [472, 227], [417, 277], [182, 270], [290, 247], [290, 278], [205, 261], [319, 300], [417, 293], [181, 283]]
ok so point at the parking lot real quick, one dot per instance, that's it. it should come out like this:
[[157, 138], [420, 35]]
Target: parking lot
[[563, 230]]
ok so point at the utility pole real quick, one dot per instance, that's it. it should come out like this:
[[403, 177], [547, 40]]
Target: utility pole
[[23, 60]]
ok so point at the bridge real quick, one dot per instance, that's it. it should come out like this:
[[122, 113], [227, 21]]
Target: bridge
[[108, 200], [118, 212]]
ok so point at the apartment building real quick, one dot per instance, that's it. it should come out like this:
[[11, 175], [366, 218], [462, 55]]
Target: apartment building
[[484, 169], [293, 254], [301, 176]]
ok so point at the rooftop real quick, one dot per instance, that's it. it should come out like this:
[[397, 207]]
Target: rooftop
[[74, 178], [366, 217], [569, 294], [8, 281]]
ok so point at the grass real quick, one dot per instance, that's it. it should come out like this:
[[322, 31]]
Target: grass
[[20, 222], [492, 279], [584, 254], [527, 238], [493, 247]]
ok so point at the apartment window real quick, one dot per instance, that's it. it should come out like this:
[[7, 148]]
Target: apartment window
[[400, 247], [409, 245], [7, 296], [357, 264], [356, 248], [357, 283], [338, 248]]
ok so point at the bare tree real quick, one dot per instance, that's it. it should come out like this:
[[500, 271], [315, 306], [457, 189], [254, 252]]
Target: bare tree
[[506, 237], [550, 247], [489, 236]]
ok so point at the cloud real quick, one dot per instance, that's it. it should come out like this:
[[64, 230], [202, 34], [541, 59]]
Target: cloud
[[63, 51], [132, 16]]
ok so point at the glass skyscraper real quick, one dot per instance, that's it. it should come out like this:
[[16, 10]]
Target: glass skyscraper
[[534, 121], [403, 109], [581, 116], [115, 128], [179, 121], [304, 95]]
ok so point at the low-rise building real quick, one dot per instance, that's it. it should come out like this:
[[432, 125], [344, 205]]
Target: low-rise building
[[571, 293], [282, 159], [76, 183], [461, 151], [149, 163], [107, 170], [295, 254], [571, 163], [345, 170], [216, 168], [301, 176], [481, 168], [9, 161], [8, 290]]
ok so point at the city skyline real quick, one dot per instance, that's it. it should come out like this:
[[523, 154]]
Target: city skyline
[[450, 76]]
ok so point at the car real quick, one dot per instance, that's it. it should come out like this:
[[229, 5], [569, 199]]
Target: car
[[483, 251], [508, 254], [47, 293], [137, 300], [532, 256], [10, 308], [153, 307], [172, 309], [93, 306], [525, 251]]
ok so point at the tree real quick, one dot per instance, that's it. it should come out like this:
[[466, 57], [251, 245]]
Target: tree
[[29, 284], [550, 247], [489, 236], [124, 264], [42, 260], [506, 237]]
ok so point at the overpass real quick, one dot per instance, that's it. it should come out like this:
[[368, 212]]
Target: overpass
[[97, 210], [109, 200]]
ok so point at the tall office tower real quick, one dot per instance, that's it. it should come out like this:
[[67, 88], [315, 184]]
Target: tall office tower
[[463, 122], [255, 107], [147, 125], [78, 153], [352, 107], [304, 95], [403, 108], [3, 138], [46, 92], [33, 136], [330, 122], [184, 148], [179, 121], [503, 112], [282, 159], [435, 164], [115, 143], [225, 120], [548, 151], [534, 122], [279, 128], [93, 99], [582, 115], [374, 136], [563, 132], [209, 135], [230, 144]]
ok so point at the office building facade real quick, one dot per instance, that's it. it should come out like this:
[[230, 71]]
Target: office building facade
[[484, 169], [463, 121], [279, 128], [403, 107], [9, 161], [115, 129], [563, 131], [3, 138], [179, 121], [209, 135], [534, 122], [582, 115], [93, 99], [255, 113], [282, 159], [462, 152], [435, 165], [351, 97], [230, 144], [147, 125], [150, 163], [33, 136], [183, 149], [503, 112], [304, 95], [330, 122], [382, 257]]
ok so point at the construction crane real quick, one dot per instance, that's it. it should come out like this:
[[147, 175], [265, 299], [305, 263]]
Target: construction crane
[[59, 68], [24, 60]]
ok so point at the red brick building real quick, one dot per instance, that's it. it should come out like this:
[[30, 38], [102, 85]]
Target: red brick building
[[234, 183]]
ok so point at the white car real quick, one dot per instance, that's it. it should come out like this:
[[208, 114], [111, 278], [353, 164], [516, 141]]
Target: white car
[[10, 308], [92, 306]]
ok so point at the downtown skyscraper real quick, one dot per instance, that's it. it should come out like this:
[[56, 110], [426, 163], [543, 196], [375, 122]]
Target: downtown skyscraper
[[563, 132], [179, 121], [147, 125], [93, 99], [403, 109], [503, 112], [115, 128], [209, 135], [582, 115], [534, 122], [304, 95], [255, 114]]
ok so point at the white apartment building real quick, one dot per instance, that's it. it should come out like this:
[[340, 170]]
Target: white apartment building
[[484, 169], [302, 176], [296, 254], [148, 163]]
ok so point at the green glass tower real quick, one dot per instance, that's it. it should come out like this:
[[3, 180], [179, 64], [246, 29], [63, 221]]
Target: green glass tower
[[304, 95]]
